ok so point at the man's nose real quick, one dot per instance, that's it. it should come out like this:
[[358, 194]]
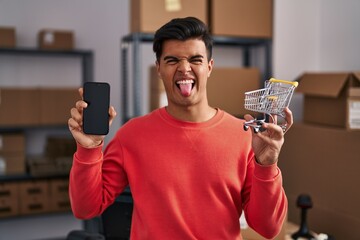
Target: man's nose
[[184, 66]]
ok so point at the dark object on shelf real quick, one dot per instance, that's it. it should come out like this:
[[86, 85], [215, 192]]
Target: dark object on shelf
[[304, 203]]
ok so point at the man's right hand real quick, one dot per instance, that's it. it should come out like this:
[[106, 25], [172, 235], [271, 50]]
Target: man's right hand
[[76, 121]]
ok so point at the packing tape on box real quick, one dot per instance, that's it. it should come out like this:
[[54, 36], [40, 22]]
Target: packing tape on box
[[49, 37], [173, 5]]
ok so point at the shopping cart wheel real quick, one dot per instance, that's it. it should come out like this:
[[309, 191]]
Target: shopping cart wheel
[[246, 127]]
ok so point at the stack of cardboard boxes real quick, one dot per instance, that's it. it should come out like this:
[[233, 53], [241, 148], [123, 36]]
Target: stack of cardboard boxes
[[29, 107], [22, 108], [252, 18], [320, 156], [12, 153], [26, 107], [33, 196]]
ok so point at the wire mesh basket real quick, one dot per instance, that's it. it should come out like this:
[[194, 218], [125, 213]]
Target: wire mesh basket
[[271, 100]]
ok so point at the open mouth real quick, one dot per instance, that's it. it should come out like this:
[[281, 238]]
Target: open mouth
[[185, 86]]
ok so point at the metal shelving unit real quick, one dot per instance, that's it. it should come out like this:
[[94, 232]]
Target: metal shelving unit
[[136, 39], [87, 61]]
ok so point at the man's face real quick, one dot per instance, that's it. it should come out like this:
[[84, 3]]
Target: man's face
[[184, 69]]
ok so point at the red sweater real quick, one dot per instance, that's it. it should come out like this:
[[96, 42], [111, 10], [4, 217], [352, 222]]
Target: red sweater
[[188, 180]]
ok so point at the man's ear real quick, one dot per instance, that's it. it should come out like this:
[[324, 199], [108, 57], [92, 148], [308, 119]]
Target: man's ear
[[158, 68], [210, 66]]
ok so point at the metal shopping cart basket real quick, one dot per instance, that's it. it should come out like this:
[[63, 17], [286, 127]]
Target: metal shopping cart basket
[[271, 100]]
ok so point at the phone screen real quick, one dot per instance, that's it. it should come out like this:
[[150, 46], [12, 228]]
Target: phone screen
[[96, 115]]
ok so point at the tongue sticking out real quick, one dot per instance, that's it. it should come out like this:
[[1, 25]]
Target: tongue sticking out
[[186, 89]]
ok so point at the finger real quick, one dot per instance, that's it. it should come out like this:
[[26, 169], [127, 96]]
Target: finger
[[80, 105], [73, 125], [289, 120], [112, 114], [248, 117], [273, 119], [76, 115], [289, 117], [81, 92], [273, 131]]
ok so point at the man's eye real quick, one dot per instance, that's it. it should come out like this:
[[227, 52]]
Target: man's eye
[[196, 60], [171, 61]]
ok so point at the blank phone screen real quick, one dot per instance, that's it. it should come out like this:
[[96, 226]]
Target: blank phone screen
[[96, 115]]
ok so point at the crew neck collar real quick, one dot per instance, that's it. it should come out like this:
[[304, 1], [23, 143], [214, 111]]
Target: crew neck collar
[[180, 123]]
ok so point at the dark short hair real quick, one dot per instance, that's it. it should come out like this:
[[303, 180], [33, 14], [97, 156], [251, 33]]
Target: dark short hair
[[182, 29]]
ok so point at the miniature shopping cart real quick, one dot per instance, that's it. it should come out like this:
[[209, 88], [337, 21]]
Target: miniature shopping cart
[[271, 100]]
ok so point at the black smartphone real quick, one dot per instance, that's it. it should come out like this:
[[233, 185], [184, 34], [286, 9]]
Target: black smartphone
[[96, 115]]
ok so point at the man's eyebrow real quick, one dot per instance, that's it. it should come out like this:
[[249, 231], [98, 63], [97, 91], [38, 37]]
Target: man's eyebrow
[[197, 56]]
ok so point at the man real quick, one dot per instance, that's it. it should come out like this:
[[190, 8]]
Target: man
[[191, 168]]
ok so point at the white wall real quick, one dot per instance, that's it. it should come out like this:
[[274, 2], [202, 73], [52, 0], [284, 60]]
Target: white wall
[[296, 37], [339, 29]]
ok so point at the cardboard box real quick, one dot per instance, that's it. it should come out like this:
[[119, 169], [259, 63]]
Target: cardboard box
[[7, 37], [36, 106], [54, 39], [55, 105], [59, 195], [148, 16], [12, 153], [226, 88], [34, 197], [12, 163], [19, 107], [324, 163], [242, 18], [9, 199], [12, 142], [331, 99]]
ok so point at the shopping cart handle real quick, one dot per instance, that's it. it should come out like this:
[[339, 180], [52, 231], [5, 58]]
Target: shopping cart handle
[[294, 83]]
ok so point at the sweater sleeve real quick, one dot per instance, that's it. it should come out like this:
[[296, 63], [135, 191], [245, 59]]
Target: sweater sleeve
[[96, 179], [266, 206]]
